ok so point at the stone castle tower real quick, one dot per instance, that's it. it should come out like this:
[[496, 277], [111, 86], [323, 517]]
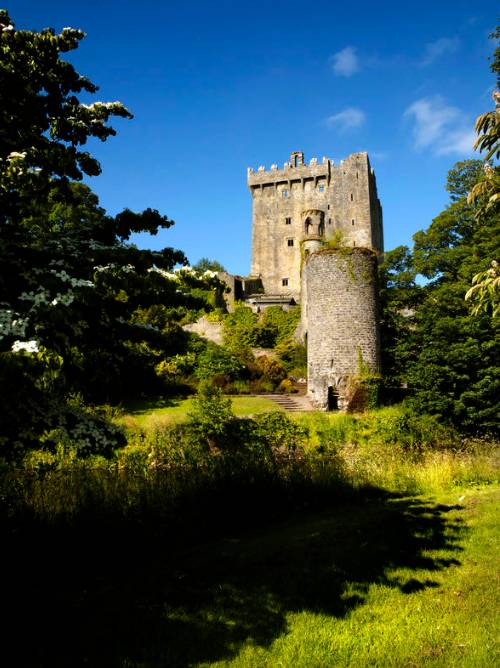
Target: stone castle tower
[[301, 204], [316, 236]]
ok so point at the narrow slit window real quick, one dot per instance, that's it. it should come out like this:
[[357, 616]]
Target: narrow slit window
[[288, 221], [284, 281], [352, 197], [352, 221], [290, 242]]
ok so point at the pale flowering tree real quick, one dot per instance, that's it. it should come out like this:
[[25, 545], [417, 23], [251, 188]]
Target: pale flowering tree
[[484, 293], [74, 293]]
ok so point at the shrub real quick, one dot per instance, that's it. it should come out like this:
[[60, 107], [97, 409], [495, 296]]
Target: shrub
[[210, 414], [282, 323], [263, 385], [286, 386], [280, 432], [240, 328], [215, 360], [294, 358], [87, 430], [272, 369]]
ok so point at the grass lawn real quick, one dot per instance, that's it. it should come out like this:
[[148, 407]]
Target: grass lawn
[[386, 582], [380, 580], [148, 412]]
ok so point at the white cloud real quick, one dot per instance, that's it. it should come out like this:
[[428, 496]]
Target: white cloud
[[458, 141], [440, 47], [441, 128], [348, 119], [345, 63], [378, 155]]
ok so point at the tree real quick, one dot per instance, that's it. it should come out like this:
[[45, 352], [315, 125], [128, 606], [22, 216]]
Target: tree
[[73, 292], [204, 264], [447, 357], [484, 294]]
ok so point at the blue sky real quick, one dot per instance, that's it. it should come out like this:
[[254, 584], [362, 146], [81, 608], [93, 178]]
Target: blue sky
[[218, 86]]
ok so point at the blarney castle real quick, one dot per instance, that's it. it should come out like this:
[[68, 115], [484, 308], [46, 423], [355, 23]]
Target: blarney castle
[[316, 239]]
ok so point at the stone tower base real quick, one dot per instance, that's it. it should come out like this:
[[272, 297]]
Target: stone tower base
[[342, 324]]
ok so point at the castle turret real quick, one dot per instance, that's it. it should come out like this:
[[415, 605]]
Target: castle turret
[[342, 322]]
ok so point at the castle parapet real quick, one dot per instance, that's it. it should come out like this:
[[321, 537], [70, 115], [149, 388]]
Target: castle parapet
[[295, 169]]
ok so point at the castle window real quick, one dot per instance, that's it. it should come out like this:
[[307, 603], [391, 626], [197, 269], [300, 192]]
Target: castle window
[[284, 281], [288, 221], [307, 225], [285, 193], [289, 242], [352, 197], [328, 206], [352, 221], [321, 229], [321, 189], [329, 221]]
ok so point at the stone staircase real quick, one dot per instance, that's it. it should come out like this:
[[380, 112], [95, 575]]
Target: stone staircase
[[291, 404]]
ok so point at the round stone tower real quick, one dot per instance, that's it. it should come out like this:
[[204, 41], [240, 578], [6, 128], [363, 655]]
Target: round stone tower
[[342, 322]]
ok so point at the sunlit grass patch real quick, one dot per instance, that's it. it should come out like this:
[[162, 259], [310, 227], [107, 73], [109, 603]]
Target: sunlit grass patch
[[152, 413], [437, 610]]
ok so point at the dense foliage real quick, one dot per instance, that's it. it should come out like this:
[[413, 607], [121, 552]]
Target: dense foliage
[[447, 356], [81, 310]]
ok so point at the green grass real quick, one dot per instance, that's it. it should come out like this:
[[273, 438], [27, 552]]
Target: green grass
[[383, 582], [149, 413], [364, 596]]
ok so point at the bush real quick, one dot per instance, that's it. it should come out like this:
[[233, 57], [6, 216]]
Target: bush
[[240, 328], [280, 432], [282, 323], [215, 361], [263, 385], [294, 358], [286, 386], [88, 430], [271, 369], [210, 415]]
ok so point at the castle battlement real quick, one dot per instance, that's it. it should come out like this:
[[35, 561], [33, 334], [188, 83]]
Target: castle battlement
[[296, 169]]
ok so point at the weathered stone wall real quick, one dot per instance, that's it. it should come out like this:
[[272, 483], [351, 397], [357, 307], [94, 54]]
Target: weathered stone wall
[[342, 320], [213, 331], [346, 194]]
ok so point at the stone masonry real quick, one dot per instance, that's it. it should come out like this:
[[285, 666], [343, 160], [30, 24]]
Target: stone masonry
[[319, 200], [343, 326], [316, 239]]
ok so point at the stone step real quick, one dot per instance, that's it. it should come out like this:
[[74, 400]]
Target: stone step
[[290, 404]]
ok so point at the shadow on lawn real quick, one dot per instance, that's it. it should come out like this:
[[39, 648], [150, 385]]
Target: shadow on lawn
[[121, 596], [145, 406]]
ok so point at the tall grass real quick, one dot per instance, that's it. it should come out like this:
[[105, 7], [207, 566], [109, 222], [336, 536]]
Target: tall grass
[[167, 470]]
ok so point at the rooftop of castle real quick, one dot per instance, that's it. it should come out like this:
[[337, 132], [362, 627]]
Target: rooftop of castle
[[296, 166]]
